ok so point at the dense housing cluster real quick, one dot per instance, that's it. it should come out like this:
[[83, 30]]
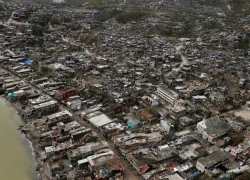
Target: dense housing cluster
[[162, 94]]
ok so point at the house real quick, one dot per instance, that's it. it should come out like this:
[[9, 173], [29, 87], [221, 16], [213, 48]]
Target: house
[[86, 150], [132, 121], [11, 84], [186, 121], [63, 116], [142, 159], [68, 126], [166, 125], [15, 95], [133, 124], [212, 128], [65, 94], [167, 94], [98, 119], [146, 116], [114, 171], [54, 168], [177, 111], [198, 98], [74, 105], [235, 151], [198, 90], [39, 81], [23, 72], [217, 97], [39, 100], [173, 177], [239, 170], [147, 101], [134, 140], [57, 149], [79, 133], [112, 129], [46, 108], [212, 161], [97, 160]]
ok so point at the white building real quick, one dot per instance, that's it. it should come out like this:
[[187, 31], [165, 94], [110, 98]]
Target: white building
[[167, 94], [212, 128], [98, 119]]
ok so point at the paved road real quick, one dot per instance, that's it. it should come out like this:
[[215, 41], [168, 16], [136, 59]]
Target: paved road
[[183, 58]]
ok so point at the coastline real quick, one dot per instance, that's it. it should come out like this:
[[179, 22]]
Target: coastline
[[26, 140]]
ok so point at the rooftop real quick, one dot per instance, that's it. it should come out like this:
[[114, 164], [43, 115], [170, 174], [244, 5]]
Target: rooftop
[[99, 119], [213, 159], [40, 99], [145, 156], [216, 126], [59, 114], [168, 91], [42, 105]]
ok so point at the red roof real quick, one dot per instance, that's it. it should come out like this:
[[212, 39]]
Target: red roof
[[144, 169], [145, 115]]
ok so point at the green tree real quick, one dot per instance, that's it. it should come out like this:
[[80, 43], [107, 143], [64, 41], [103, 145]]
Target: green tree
[[37, 30], [176, 125], [237, 138], [245, 176], [128, 16], [207, 177], [151, 110], [232, 176], [45, 70]]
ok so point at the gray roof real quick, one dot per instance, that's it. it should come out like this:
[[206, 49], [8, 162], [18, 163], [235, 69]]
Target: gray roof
[[216, 126], [213, 159], [167, 90], [144, 156]]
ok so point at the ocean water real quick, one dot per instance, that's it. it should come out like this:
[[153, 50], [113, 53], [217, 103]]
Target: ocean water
[[16, 161]]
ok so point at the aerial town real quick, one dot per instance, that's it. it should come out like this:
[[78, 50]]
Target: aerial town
[[147, 90]]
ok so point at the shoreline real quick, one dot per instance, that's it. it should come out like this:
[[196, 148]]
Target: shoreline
[[27, 141], [33, 154]]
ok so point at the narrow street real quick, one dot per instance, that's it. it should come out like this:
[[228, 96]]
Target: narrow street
[[183, 58]]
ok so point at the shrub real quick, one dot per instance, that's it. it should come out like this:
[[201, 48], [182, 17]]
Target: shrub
[[128, 16]]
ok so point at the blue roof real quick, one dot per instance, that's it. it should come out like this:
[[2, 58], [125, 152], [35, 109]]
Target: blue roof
[[12, 94], [27, 62]]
